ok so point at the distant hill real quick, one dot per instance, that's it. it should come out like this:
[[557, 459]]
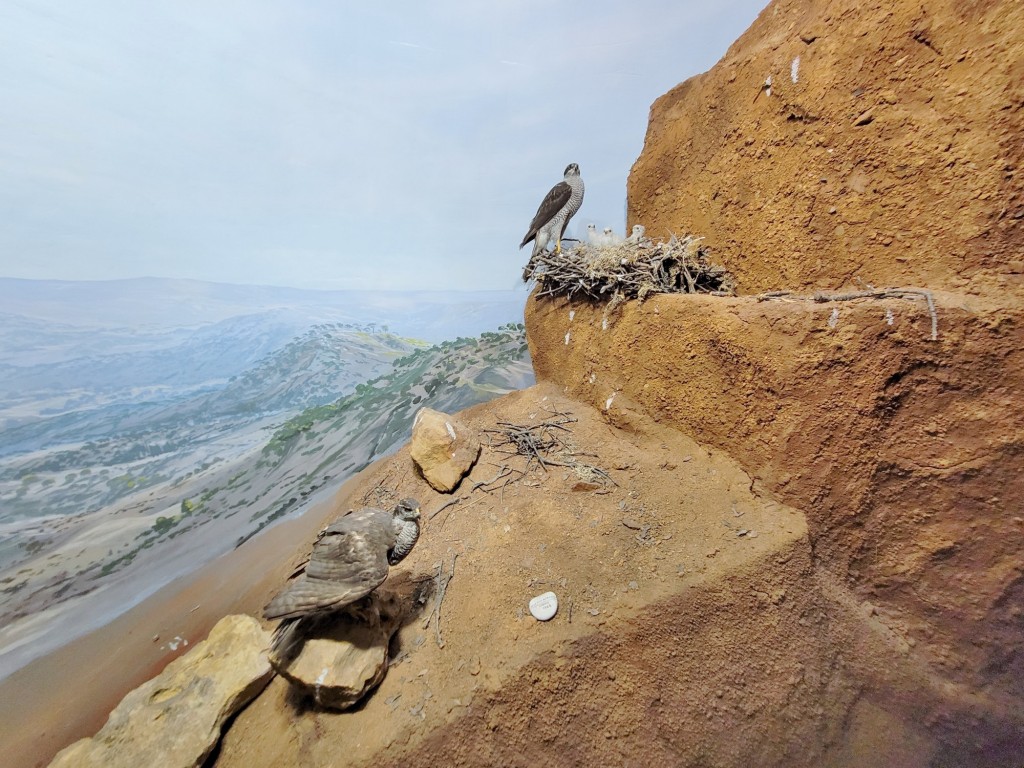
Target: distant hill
[[333, 441], [94, 527], [122, 367], [152, 304], [141, 439]]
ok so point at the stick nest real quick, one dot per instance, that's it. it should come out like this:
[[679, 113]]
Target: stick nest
[[632, 269]]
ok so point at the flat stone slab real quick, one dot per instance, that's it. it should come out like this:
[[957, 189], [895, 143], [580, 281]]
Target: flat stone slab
[[175, 719], [343, 657]]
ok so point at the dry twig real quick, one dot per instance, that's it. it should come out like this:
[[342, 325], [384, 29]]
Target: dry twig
[[442, 587], [543, 443], [874, 293], [445, 506]]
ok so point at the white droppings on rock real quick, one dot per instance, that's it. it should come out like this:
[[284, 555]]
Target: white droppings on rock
[[451, 430], [593, 378], [794, 70], [889, 317], [572, 314], [608, 402], [567, 334], [318, 685], [833, 319], [604, 323]]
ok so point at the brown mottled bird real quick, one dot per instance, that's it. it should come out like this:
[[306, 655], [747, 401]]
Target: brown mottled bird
[[350, 559]]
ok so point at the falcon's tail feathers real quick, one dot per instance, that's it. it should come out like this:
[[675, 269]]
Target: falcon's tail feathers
[[283, 641]]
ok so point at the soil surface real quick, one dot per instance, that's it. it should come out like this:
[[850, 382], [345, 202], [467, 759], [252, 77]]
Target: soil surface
[[650, 568]]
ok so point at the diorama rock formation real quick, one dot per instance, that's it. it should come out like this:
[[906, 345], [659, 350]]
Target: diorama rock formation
[[443, 449], [346, 655], [886, 149], [841, 147], [783, 527], [175, 719]]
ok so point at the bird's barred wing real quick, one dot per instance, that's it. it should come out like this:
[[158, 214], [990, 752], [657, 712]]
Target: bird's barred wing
[[304, 596], [351, 555], [348, 561], [552, 204]]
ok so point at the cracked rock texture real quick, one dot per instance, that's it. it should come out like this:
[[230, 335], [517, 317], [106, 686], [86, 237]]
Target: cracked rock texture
[[443, 448], [175, 719]]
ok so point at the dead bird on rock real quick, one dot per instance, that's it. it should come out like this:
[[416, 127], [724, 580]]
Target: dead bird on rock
[[350, 559]]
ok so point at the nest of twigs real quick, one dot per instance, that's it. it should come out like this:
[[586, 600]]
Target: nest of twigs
[[631, 269]]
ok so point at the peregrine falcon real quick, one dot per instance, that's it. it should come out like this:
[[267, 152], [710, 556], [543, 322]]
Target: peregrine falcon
[[350, 559], [560, 205]]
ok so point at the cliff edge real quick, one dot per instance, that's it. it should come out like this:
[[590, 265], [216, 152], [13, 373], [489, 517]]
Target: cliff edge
[[840, 141], [847, 147]]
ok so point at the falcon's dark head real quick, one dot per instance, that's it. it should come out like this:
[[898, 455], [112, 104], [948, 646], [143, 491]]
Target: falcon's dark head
[[407, 509], [572, 170]]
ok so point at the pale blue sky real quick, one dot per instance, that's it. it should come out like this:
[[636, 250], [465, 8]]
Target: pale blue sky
[[319, 143]]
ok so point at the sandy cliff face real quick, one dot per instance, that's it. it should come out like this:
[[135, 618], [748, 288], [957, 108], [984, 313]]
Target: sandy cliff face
[[888, 149], [885, 154]]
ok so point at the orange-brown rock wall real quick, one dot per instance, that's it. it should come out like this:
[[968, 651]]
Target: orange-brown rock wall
[[888, 149], [904, 453]]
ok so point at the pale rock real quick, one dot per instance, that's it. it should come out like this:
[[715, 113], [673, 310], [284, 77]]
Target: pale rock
[[443, 448], [344, 656], [175, 719]]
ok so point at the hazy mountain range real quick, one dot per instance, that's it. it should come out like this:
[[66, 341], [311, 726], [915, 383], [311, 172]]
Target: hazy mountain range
[[148, 304], [133, 453]]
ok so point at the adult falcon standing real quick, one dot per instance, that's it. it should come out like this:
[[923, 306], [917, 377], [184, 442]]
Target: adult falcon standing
[[548, 225]]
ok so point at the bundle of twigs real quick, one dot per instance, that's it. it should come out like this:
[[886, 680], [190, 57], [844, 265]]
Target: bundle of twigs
[[544, 443], [632, 269], [535, 441]]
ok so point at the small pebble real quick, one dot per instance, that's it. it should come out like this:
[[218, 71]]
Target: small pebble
[[544, 607]]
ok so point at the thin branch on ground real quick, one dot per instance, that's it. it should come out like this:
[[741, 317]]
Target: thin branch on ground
[[442, 587], [445, 506], [875, 293], [379, 493]]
